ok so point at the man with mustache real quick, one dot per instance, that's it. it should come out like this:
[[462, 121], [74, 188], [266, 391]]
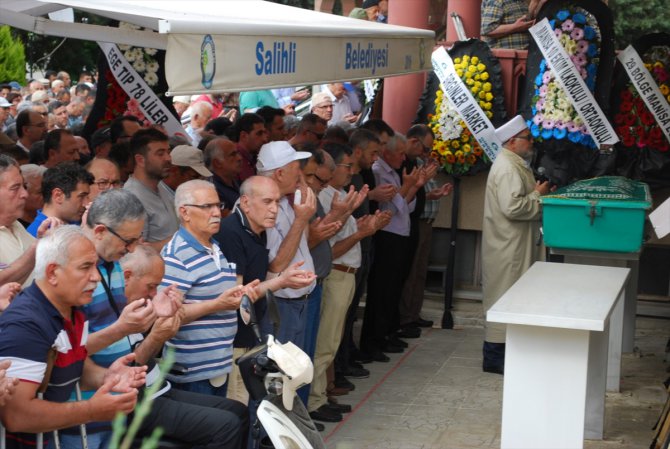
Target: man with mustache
[[152, 164], [65, 190], [195, 263], [44, 333]]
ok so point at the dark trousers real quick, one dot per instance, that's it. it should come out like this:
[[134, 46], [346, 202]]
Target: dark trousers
[[202, 421], [387, 276]]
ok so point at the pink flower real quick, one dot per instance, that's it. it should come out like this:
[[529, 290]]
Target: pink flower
[[543, 91], [560, 124], [581, 60], [582, 46], [548, 124], [537, 119], [568, 25], [577, 34], [546, 77], [574, 60], [572, 127], [582, 73], [558, 32], [540, 103], [583, 129]]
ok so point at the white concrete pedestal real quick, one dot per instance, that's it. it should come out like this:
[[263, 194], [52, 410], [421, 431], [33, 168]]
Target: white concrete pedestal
[[560, 353]]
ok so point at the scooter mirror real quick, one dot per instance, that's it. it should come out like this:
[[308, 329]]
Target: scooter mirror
[[273, 311], [247, 311]]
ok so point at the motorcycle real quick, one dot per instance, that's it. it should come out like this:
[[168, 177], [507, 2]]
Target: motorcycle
[[272, 373]]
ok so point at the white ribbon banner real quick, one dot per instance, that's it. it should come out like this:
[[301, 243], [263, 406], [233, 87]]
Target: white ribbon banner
[[135, 86], [571, 81], [461, 99], [647, 88]]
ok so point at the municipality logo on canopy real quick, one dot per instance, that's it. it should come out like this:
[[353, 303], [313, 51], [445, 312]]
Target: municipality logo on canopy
[[207, 61]]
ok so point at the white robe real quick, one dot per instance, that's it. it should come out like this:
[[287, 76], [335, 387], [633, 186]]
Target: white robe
[[510, 231]]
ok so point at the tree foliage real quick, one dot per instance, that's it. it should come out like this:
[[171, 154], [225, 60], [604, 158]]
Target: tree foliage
[[12, 57], [635, 18]]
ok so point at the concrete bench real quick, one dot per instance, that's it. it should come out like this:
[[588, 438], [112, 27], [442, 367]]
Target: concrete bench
[[563, 347]]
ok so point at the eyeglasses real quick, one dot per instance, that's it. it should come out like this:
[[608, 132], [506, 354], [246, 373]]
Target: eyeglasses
[[107, 183], [328, 106], [207, 206], [128, 242], [323, 182]]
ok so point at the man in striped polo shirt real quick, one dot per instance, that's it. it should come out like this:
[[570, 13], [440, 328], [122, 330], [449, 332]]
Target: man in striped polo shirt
[[195, 264]]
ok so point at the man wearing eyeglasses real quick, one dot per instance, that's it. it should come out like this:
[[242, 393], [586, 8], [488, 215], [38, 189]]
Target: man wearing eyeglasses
[[311, 130], [195, 263], [510, 228], [106, 175], [322, 105], [31, 127]]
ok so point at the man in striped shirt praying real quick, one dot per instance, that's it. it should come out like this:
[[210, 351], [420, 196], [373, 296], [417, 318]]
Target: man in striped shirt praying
[[194, 263]]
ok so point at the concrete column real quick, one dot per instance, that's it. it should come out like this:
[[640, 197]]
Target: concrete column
[[401, 93]]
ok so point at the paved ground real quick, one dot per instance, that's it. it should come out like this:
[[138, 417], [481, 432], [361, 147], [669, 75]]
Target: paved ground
[[435, 395]]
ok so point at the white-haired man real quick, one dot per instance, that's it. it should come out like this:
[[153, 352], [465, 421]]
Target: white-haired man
[[510, 228], [195, 263]]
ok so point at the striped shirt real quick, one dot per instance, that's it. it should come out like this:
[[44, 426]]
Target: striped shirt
[[204, 347], [31, 327]]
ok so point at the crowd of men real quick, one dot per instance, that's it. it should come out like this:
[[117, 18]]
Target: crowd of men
[[118, 247], [137, 243]]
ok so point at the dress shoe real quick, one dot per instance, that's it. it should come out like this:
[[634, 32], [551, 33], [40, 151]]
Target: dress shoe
[[393, 349], [343, 382], [356, 365], [356, 373], [398, 342], [325, 414], [423, 323], [409, 332], [339, 408], [361, 357], [337, 391], [319, 427], [379, 356], [494, 369]]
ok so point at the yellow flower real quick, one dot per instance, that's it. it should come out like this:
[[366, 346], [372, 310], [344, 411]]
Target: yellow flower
[[668, 98], [469, 81], [469, 75], [466, 58], [481, 67], [487, 106], [647, 66], [478, 83], [658, 65], [489, 96], [474, 60], [664, 89], [478, 77], [467, 148], [455, 144], [472, 69], [465, 137], [487, 87], [461, 159], [458, 154], [482, 104], [459, 72], [484, 76], [489, 114], [475, 90], [457, 61], [482, 95]]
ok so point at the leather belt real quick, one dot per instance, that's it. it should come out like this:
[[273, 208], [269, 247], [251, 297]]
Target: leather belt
[[299, 298], [344, 268]]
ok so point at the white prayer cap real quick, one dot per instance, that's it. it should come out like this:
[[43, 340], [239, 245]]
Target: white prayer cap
[[511, 129]]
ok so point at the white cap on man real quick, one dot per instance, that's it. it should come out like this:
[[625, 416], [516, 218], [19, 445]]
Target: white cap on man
[[276, 154], [511, 129]]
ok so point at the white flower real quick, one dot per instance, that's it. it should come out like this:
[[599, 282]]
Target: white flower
[[139, 65], [139, 54], [152, 67], [130, 55], [151, 79], [124, 47], [150, 51]]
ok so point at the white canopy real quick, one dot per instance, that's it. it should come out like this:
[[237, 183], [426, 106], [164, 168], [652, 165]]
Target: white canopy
[[234, 45]]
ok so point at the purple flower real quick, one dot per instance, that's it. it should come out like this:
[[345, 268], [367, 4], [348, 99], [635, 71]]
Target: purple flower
[[583, 129], [537, 120], [558, 32], [574, 60], [543, 91], [568, 25], [577, 34], [581, 60], [583, 73], [560, 124], [572, 128], [582, 46], [546, 77], [548, 124]]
